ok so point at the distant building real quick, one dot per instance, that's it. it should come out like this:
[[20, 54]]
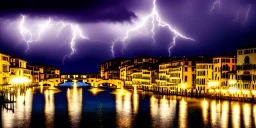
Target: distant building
[[4, 68], [110, 68]]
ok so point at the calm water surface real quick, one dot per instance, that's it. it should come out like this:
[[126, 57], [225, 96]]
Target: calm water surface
[[81, 107]]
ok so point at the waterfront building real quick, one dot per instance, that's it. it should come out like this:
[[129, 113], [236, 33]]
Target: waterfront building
[[19, 71], [37, 73], [110, 68], [130, 69], [222, 66], [4, 69], [204, 74], [51, 75], [144, 78], [246, 73]]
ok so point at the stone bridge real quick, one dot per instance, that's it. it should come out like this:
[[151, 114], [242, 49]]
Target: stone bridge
[[97, 82]]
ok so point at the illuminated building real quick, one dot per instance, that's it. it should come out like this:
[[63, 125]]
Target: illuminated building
[[18, 69], [4, 68], [221, 67], [246, 71], [51, 75], [110, 68], [204, 74], [37, 73], [144, 77], [139, 71]]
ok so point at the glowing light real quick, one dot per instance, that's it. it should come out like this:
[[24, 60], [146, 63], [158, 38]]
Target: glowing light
[[232, 82], [247, 13], [233, 90], [20, 80], [95, 91], [155, 17], [213, 84]]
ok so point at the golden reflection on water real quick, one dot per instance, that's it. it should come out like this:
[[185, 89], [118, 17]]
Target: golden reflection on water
[[183, 113], [124, 102], [236, 115], [95, 91], [224, 114], [162, 111], [247, 115], [22, 110], [74, 97], [205, 105], [49, 107]]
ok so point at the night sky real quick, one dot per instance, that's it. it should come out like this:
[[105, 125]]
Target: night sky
[[215, 32]]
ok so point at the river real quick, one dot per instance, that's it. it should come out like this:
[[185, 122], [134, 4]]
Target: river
[[83, 107]]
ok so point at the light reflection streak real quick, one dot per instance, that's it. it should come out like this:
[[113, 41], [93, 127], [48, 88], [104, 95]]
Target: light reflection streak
[[123, 108], [205, 107], [183, 113], [74, 97], [49, 107], [22, 110], [236, 115], [254, 113], [247, 115], [162, 111], [224, 114]]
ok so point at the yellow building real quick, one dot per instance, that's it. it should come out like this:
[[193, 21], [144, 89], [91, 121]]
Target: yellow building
[[204, 75], [221, 68], [4, 69], [144, 78], [246, 73], [19, 71], [131, 67]]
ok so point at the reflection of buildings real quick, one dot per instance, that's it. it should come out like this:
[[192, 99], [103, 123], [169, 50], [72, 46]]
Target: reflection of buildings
[[22, 108], [49, 107], [74, 97], [127, 105], [163, 112]]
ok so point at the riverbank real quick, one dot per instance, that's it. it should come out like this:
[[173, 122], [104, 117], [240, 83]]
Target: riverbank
[[194, 93]]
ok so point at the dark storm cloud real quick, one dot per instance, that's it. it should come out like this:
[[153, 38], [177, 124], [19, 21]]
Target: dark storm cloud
[[75, 10]]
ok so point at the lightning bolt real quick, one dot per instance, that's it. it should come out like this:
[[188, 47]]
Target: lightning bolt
[[43, 27], [247, 13], [25, 32], [214, 4], [27, 35], [237, 17], [155, 21]]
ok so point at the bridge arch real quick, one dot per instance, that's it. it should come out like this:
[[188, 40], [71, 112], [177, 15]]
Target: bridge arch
[[116, 82]]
